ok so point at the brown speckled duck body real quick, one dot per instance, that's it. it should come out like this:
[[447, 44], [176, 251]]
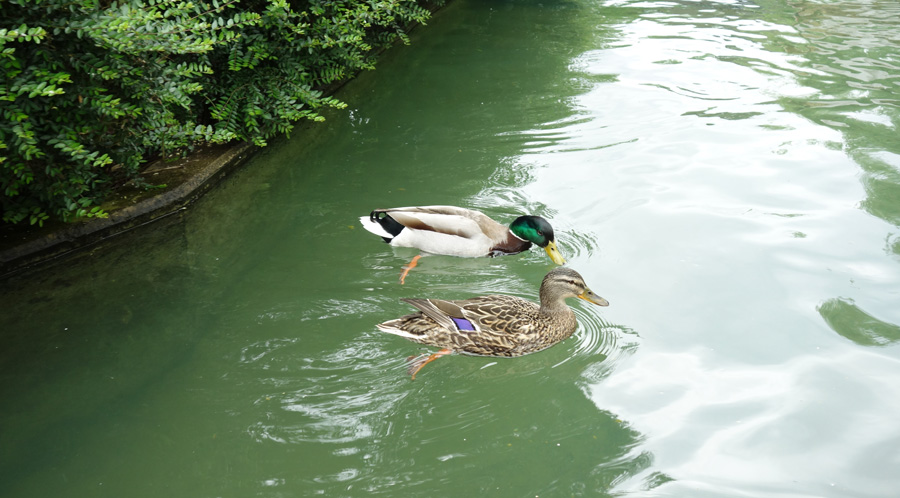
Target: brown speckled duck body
[[495, 325]]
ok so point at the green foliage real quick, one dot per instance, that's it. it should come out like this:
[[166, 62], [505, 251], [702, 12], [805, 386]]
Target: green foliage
[[93, 88]]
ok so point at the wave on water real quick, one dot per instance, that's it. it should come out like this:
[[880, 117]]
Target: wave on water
[[331, 397], [597, 338]]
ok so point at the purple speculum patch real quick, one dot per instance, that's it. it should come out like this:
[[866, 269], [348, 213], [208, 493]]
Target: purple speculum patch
[[462, 323]]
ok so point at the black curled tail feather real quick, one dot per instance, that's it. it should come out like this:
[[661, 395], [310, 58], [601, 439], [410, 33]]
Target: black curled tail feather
[[389, 224]]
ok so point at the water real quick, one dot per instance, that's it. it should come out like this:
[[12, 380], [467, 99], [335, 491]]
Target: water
[[727, 174]]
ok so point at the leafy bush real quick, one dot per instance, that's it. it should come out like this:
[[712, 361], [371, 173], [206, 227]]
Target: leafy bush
[[93, 89]]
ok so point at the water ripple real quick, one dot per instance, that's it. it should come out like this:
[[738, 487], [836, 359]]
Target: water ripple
[[576, 244], [336, 397], [598, 338]]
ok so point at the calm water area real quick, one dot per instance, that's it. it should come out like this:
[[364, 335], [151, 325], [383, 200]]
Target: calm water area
[[725, 173]]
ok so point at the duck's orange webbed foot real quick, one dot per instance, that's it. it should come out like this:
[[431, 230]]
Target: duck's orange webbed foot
[[416, 363], [412, 264]]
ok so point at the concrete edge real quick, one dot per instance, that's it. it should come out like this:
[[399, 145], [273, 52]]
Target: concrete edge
[[83, 234]]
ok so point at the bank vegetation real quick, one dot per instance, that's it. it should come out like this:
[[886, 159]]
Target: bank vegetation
[[92, 90]]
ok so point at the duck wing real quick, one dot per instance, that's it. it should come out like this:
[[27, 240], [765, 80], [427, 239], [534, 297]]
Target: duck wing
[[450, 220], [447, 314], [495, 325], [494, 314]]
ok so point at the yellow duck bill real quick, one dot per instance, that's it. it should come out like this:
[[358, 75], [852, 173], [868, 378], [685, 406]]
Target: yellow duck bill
[[554, 253]]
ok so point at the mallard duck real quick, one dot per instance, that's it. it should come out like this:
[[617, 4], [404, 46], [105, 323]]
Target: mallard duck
[[494, 325], [457, 231]]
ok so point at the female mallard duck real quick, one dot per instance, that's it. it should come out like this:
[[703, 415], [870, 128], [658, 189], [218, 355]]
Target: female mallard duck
[[457, 231], [494, 325]]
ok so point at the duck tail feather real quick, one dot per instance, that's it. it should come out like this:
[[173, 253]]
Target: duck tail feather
[[379, 228], [380, 223]]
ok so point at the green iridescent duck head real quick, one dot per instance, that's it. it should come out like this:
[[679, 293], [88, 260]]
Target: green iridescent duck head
[[537, 230]]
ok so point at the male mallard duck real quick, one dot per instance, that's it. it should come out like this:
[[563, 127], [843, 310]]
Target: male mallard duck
[[457, 231], [494, 325]]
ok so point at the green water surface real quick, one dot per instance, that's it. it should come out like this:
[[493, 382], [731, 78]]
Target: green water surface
[[725, 173]]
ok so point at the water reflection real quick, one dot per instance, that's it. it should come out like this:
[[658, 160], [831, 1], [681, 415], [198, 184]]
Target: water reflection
[[852, 322], [683, 396], [742, 198], [855, 45]]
